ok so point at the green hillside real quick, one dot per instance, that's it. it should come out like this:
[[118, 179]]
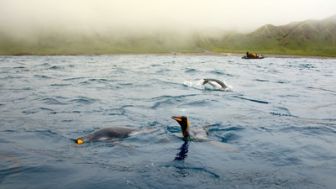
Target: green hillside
[[311, 37], [300, 38]]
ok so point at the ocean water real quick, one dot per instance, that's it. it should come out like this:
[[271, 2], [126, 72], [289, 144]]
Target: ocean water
[[279, 115]]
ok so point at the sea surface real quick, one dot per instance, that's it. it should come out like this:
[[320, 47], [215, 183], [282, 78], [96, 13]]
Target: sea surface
[[278, 120]]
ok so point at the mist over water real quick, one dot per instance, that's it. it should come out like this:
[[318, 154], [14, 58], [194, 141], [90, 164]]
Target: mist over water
[[31, 18]]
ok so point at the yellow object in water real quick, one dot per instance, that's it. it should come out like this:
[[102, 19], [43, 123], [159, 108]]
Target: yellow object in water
[[79, 140]]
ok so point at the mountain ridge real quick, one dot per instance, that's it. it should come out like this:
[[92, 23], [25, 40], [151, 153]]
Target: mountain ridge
[[309, 37]]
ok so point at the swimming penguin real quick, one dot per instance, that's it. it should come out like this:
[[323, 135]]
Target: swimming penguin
[[196, 134], [215, 83], [199, 134], [106, 134]]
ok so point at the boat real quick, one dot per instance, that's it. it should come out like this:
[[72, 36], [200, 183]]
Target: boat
[[252, 56], [257, 57]]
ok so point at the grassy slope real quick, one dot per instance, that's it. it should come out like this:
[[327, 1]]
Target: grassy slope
[[316, 38]]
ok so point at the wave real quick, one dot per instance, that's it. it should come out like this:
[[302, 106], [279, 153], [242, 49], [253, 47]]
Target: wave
[[169, 100], [163, 70], [261, 80], [44, 132], [42, 76], [225, 133], [229, 137], [60, 84], [306, 66], [282, 81], [99, 80], [189, 170], [11, 166], [56, 68], [217, 72], [27, 112], [196, 103], [311, 130], [52, 101], [94, 82], [83, 100], [323, 89], [190, 70], [221, 73], [46, 109], [214, 128], [73, 78], [252, 100], [282, 111]]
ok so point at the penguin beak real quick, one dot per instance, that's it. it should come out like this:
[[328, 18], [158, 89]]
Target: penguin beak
[[177, 118]]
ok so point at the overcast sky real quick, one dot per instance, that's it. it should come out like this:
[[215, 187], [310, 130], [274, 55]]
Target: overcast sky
[[240, 15]]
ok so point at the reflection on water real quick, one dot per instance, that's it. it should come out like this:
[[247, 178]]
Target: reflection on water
[[183, 153]]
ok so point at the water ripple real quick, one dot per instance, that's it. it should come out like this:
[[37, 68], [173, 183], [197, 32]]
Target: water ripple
[[190, 70], [281, 116], [56, 68], [53, 101], [83, 100], [252, 100]]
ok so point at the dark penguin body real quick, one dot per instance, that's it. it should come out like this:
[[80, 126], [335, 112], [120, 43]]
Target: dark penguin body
[[106, 134], [110, 133]]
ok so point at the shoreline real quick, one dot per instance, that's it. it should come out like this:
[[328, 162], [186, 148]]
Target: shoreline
[[177, 54]]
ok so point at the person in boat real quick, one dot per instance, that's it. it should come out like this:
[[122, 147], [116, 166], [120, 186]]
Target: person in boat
[[251, 55]]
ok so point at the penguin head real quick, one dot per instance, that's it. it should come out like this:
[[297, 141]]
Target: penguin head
[[184, 123], [79, 140]]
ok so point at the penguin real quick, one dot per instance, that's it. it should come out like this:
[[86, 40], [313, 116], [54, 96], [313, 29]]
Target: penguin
[[196, 134], [199, 134], [111, 133], [215, 83]]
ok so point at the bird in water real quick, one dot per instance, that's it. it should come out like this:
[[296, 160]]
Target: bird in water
[[110, 134], [199, 134], [196, 134]]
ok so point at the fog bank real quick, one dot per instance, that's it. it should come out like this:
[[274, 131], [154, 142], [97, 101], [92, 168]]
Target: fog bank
[[22, 17]]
